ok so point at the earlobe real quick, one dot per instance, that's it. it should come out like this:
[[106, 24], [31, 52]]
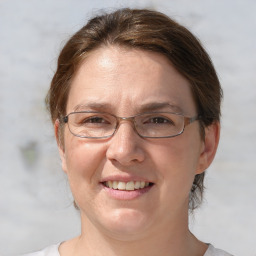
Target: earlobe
[[60, 144], [209, 148]]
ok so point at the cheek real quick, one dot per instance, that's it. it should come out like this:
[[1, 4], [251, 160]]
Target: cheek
[[176, 168], [84, 163], [84, 160], [177, 161], [177, 156]]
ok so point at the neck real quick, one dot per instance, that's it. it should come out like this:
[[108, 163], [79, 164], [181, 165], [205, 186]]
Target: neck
[[165, 240]]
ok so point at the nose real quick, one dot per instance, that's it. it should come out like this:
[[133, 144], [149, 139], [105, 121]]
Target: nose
[[125, 147]]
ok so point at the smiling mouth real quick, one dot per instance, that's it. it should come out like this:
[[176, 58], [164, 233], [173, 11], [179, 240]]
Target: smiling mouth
[[127, 186]]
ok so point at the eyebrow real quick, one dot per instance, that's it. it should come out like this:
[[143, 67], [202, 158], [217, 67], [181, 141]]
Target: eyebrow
[[148, 107], [156, 106], [94, 106]]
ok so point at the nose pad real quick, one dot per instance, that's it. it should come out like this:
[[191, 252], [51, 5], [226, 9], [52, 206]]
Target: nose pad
[[130, 120], [125, 146]]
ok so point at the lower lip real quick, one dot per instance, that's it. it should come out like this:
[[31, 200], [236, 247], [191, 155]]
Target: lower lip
[[126, 195]]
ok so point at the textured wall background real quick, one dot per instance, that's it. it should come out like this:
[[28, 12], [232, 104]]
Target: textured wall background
[[35, 203]]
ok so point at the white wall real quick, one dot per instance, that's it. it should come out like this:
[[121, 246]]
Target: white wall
[[35, 203]]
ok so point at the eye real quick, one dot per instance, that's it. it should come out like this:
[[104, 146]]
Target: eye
[[95, 119], [158, 120], [91, 119]]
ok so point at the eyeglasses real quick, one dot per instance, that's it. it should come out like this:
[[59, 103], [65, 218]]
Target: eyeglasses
[[99, 125]]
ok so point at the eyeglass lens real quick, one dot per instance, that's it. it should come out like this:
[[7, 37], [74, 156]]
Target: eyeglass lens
[[100, 125]]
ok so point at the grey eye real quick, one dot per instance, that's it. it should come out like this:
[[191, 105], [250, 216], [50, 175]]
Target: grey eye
[[98, 120], [158, 120]]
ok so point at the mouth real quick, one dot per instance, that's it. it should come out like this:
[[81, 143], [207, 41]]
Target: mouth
[[127, 186]]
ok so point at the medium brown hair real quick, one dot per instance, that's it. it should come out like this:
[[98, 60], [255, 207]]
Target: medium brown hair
[[150, 31]]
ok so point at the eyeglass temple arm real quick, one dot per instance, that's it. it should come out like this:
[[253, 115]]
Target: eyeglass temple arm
[[191, 120]]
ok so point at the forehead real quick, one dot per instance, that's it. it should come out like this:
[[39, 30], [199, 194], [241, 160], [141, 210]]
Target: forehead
[[126, 79]]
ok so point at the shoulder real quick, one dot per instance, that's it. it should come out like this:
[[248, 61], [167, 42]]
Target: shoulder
[[212, 251], [52, 250]]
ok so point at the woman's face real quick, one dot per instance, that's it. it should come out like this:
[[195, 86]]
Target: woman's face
[[127, 82]]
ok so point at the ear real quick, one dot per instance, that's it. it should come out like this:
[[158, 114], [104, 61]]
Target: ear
[[209, 147], [60, 144]]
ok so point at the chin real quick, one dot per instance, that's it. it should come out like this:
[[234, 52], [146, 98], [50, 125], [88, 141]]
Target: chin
[[125, 224]]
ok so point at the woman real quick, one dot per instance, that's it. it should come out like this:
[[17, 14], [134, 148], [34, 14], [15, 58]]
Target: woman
[[135, 104]]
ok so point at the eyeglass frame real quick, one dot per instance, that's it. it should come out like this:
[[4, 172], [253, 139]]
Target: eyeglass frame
[[187, 121]]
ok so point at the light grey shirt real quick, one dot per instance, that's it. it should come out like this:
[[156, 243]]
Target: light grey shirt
[[53, 250]]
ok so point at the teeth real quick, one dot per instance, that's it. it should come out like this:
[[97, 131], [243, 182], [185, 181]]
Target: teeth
[[121, 186], [115, 185], [131, 185], [109, 184], [142, 184], [137, 185]]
